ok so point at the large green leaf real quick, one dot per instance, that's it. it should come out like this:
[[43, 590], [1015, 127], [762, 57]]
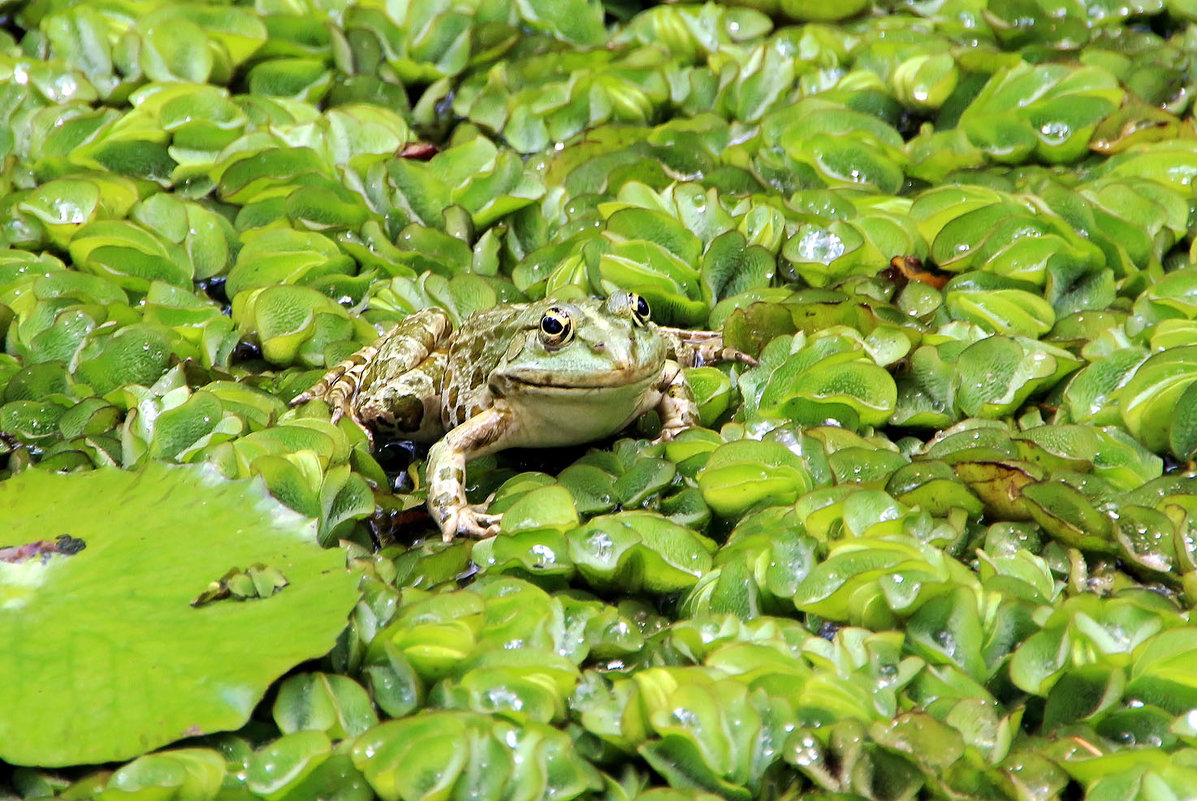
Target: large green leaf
[[104, 655]]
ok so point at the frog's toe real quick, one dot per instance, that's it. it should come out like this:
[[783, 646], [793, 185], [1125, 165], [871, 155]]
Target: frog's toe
[[670, 432], [473, 522], [733, 355], [715, 353], [345, 410], [365, 430]]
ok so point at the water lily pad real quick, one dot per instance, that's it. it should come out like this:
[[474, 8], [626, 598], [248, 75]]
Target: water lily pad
[[123, 554]]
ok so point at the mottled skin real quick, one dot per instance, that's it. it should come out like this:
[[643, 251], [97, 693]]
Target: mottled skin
[[541, 374]]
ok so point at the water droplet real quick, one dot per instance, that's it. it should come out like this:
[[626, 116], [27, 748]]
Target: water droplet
[[1055, 131], [601, 545], [545, 555], [62, 88], [67, 212], [503, 698], [820, 245], [806, 752]]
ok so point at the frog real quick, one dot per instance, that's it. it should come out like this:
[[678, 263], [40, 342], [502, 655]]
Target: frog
[[540, 374]]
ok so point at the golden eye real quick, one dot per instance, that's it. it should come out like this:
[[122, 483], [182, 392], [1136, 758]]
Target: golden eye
[[640, 308], [556, 328]]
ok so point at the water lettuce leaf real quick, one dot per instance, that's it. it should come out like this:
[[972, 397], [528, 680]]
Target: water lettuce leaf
[[106, 656]]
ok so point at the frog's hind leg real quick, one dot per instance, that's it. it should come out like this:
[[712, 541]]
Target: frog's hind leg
[[696, 348], [408, 406], [401, 349]]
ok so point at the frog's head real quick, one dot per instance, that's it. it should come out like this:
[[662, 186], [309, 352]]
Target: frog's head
[[563, 347]]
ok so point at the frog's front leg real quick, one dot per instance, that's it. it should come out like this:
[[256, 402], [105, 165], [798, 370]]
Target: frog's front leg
[[677, 407], [481, 434], [696, 348]]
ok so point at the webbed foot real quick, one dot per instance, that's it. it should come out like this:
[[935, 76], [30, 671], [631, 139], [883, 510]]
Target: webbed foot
[[670, 432], [471, 521], [338, 388], [696, 348], [341, 407], [446, 475]]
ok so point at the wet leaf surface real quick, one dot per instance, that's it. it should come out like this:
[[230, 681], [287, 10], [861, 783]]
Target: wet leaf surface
[[936, 542], [124, 595]]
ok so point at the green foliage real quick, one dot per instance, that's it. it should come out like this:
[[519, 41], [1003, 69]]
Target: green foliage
[[936, 543], [126, 579]]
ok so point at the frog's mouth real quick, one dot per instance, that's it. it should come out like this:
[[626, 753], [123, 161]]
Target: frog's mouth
[[573, 382]]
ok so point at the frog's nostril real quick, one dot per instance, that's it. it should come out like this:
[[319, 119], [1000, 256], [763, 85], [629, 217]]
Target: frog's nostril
[[600, 346]]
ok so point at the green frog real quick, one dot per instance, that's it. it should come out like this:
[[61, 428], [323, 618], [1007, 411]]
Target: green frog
[[519, 375]]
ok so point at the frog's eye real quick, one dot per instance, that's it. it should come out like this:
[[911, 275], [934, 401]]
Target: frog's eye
[[640, 308], [556, 328]]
